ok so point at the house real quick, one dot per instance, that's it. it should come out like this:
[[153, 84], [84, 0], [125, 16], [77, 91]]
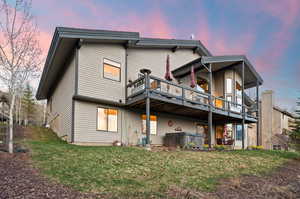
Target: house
[[275, 123], [106, 86]]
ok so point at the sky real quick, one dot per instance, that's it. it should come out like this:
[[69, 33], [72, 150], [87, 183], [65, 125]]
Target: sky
[[266, 31]]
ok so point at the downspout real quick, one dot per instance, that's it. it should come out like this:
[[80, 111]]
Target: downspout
[[126, 92], [77, 47]]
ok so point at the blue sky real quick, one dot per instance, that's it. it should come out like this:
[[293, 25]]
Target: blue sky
[[266, 31]]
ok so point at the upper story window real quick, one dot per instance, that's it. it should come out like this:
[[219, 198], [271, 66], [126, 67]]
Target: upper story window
[[228, 85], [111, 70], [107, 119], [203, 83], [238, 88]]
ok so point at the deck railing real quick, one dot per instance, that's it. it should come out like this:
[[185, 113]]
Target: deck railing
[[184, 94]]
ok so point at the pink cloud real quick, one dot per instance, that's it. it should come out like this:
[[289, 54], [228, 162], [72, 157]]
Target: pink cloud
[[287, 14], [152, 24]]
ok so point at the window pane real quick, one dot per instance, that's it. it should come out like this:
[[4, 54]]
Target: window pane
[[239, 132], [112, 120], [153, 124], [111, 72], [239, 100], [228, 85], [102, 119], [229, 131]]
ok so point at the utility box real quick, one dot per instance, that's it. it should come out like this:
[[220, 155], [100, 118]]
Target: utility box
[[184, 140]]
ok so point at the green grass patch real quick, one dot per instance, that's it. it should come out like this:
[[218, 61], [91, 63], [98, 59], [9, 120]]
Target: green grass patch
[[133, 172]]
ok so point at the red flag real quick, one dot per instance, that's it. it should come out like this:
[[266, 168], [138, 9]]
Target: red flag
[[193, 82]]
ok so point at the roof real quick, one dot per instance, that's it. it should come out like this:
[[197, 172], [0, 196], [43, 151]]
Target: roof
[[220, 63], [65, 39], [285, 112]]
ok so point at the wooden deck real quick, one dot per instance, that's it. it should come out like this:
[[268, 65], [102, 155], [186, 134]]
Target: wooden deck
[[178, 99]]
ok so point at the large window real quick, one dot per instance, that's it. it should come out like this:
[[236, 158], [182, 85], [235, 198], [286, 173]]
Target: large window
[[111, 70], [107, 119], [153, 124]]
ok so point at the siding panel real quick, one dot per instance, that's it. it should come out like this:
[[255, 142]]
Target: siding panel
[[62, 103], [90, 72], [155, 59], [86, 123], [134, 127]]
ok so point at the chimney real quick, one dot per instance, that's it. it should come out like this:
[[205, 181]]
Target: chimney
[[267, 104]]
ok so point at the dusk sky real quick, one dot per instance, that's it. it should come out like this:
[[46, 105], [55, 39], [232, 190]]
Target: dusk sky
[[266, 31]]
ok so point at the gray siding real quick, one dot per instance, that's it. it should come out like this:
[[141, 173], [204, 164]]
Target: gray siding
[[155, 59], [90, 72], [61, 115], [85, 125], [134, 127], [129, 126]]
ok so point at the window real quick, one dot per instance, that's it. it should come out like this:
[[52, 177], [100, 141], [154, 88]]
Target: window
[[229, 131], [153, 124], [202, 83], [239, 132], [228, 85], [111, 70], [228, 98], [238, 88], [107, 119]]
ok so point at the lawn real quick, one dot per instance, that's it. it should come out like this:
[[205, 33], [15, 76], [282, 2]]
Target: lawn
[[133, 172]]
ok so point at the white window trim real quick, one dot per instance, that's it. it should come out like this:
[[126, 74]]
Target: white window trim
[[97, 120], [112, 64], [144, 124]]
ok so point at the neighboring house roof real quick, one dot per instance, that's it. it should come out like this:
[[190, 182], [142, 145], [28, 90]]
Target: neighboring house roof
[[285, 112], [220, 63], [65, 39]]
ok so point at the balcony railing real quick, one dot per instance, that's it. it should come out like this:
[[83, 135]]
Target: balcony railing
[[184, 94]]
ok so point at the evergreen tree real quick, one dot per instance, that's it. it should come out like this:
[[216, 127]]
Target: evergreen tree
[[28, 103], [295, 132]]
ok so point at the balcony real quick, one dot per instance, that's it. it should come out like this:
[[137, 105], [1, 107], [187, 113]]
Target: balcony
[[179, 99]]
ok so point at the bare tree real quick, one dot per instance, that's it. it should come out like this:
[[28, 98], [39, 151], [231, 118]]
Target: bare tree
[[20, 54]]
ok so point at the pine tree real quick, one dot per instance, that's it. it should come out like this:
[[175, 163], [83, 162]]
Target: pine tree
[[28, 103], [295, 127]]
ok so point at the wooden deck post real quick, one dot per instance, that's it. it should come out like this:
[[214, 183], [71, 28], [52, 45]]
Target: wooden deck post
[[243, 105], [146, 73], [257, 114], [210, 108]]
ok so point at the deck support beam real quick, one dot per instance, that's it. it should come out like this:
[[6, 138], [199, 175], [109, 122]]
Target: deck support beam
[[148, 120], [146, 73], [210, 107], [257, 115], [243, 105]]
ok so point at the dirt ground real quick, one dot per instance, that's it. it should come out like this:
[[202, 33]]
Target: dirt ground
[[282, 183], [18, 179]]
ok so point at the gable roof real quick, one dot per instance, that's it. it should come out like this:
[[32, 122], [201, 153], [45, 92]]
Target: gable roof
[[221, 63], [65, 39]]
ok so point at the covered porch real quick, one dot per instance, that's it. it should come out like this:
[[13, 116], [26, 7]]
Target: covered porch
[[160, 95]]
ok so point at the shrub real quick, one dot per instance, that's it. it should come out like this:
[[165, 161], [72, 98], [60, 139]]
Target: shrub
[[205, 146], [219, 147], [256, 147]]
